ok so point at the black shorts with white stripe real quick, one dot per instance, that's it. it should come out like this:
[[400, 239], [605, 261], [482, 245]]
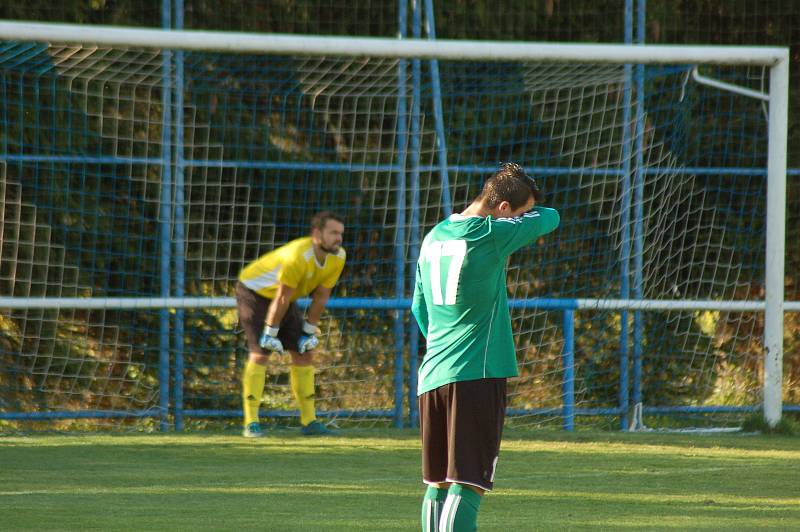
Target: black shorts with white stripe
[[461, 424]]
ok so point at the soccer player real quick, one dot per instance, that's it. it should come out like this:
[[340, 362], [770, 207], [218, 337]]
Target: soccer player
[[265, 297], [461, 306]]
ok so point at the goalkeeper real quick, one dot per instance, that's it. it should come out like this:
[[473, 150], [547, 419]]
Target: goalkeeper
[[461, 306], [265, 297]]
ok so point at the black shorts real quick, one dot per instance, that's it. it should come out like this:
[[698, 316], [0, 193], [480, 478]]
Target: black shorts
[[252, 313], [461, 425]]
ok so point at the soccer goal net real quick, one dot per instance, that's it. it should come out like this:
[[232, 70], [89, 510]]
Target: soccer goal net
[[141, 170]]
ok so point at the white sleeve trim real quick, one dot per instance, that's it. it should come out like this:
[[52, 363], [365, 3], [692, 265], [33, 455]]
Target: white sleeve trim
[[518, 219]]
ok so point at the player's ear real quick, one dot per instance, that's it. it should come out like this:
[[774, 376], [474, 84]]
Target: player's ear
[[504, 208]]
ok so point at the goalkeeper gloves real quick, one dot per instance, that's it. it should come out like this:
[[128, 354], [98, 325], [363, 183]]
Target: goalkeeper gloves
[[269, 340], [309, 340]]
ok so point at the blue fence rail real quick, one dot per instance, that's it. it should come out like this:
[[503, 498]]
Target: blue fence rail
[[169, 411]]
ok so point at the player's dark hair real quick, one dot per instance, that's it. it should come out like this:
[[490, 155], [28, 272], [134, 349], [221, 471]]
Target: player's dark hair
[[321, 218], [509, 183]]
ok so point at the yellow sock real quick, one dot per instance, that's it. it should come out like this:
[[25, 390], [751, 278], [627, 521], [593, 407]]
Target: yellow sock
[[253, 379], [302, 378]]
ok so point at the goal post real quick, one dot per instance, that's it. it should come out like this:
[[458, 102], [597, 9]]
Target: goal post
[[274, 123], [282, 44], [776, 240]]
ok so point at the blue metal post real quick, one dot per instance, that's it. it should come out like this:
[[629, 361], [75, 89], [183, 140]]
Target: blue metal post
[[400, 223], [438, 115], [413, 329], [625, 217], [568, 379], [180, 255], [638, 211], [164, 221]]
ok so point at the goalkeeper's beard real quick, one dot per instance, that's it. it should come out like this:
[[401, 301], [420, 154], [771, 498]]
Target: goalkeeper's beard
[[329, 249]]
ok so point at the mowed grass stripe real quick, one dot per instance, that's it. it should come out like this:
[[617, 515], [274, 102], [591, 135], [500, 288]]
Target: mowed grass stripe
[[370, 479]]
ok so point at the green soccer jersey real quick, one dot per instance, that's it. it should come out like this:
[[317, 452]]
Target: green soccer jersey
[[460, 299]]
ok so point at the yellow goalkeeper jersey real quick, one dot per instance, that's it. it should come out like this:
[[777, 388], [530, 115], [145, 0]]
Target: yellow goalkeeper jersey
[[295, 265]]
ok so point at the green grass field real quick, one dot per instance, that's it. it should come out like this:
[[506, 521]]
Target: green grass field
[[369, 480]]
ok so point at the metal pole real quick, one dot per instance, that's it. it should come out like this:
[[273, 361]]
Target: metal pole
[[180, 254], [438, 115], [400, 223], [462, 50], [164, 222], [568, 378], [625, 216], [638, 212], [413, 251], [776, 240]]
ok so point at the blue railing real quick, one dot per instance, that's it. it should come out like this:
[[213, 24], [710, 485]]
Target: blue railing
[[568, 411]]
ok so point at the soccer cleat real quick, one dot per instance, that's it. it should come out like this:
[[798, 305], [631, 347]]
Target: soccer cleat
[[315, 428], [253, 430]]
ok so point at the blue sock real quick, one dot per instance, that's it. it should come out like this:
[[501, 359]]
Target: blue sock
[[432, 505]]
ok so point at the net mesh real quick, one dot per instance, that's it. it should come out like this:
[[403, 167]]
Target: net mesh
[[267, 141]]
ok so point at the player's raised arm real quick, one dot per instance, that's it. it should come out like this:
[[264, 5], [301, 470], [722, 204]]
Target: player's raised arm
[[520, 231]]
